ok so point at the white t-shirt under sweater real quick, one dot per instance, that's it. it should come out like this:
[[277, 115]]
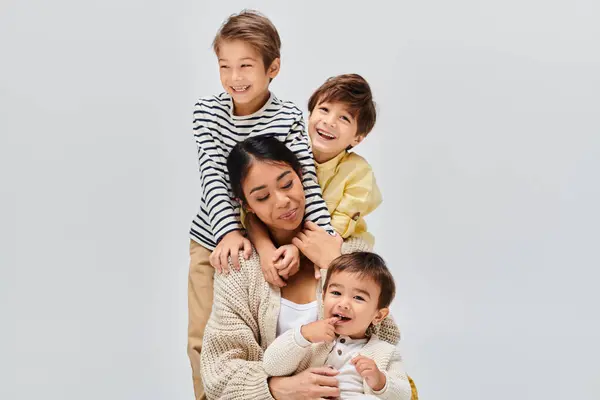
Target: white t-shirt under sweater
[[292, 315]]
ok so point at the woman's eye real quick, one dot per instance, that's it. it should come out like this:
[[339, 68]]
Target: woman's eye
[[263, 198], [288, 185]]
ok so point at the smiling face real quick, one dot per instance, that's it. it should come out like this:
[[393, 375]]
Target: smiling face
[[244, 76], [332, 128], [274, 192], [354, 299]]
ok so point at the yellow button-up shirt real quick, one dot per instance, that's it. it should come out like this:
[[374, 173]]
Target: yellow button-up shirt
[[350, 192]]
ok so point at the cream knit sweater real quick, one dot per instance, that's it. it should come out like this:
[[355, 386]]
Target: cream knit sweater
[[285, 356], [243, 324]]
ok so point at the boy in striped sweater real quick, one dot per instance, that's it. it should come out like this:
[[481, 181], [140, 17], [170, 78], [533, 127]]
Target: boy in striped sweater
[[248, 51]]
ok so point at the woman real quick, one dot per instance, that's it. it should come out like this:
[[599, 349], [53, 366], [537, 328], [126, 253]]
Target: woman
[[248, 313]]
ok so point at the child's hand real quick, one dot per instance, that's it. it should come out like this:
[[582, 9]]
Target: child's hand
[[368, 370], [287, 260], [230, 245], [268, 266], [318, 245], [320, 331]]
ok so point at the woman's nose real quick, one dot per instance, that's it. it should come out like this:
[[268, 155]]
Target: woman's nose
[[281, 200]]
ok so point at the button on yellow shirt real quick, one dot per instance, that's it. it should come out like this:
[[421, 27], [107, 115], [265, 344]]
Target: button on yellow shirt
[[350, 192]]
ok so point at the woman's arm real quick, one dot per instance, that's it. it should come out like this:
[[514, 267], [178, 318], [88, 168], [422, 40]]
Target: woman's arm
[[231, 357]]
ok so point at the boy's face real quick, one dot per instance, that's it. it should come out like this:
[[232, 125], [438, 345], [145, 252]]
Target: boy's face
[[243, 75], [332, 129], [354, 299]]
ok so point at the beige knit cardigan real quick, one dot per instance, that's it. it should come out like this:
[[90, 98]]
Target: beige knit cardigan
[[243, 324]]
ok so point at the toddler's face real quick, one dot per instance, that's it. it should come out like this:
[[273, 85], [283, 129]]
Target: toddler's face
[[354, 299], [332, 129], [242, 73]]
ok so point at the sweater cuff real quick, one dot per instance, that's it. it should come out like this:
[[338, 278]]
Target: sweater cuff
[[382, 391], [300, 340]]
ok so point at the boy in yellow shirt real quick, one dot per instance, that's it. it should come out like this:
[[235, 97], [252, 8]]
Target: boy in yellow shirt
[[342, 113]]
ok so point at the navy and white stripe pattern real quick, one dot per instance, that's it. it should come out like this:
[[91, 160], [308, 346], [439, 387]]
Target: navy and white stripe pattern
[[216, 131]]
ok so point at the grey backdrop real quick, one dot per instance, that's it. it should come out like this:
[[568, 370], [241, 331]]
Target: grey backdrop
[[486, 149]]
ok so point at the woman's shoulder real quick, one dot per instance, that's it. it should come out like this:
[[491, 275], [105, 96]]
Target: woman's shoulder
[[250, 273]]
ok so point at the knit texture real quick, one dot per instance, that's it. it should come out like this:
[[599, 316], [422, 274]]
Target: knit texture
[[286, 357], [243, 324]]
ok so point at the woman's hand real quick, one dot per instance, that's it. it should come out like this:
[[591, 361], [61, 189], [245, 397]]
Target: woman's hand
[[230, 245], [313, 383], [318, 245]]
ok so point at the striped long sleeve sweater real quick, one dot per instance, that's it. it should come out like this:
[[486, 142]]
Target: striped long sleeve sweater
[[216, 131]]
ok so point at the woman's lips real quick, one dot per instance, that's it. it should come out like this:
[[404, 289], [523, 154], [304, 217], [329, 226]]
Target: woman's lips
[[290, 215]]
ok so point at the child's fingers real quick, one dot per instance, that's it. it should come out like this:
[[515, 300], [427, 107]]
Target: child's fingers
[[235, 253], [333, 320], [223, 259], [280, 251], [247, 248], [311, 226]]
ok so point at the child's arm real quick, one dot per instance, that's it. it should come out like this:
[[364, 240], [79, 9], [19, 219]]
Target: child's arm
[[360, 197], [223, 211], [316, 210], [284, 355], [266, 249], [391, 384]]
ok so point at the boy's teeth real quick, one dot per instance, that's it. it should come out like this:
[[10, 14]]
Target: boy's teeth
[[240, 88], [327, 135]]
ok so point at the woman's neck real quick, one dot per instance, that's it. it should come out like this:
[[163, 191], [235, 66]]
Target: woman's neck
[[282, 237]]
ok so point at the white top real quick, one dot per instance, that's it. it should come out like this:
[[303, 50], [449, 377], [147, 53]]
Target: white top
[[350, 381], [292, 315]]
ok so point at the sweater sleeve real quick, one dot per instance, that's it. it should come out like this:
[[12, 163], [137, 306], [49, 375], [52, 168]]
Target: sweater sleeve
[[361, 195], [397, 386], [231, 354], [316, 209], [223, 211], [284, 355]]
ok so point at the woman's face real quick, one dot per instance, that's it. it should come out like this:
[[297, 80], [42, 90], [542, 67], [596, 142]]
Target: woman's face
[[275, 194]]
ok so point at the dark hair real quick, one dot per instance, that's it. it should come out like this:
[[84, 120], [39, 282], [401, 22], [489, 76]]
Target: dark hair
[[262, 148], [253, 28], [353, 90], [366, 265]]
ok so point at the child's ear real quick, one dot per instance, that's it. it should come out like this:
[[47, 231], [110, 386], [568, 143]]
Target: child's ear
[[381, 314], [273, 69], [357, 139]]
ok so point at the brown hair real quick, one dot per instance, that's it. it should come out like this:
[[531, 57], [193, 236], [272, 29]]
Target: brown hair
[[253, 28], [353, 90], [366, 265]]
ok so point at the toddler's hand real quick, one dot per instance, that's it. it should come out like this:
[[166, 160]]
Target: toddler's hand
[[369, 372], [320, 331]]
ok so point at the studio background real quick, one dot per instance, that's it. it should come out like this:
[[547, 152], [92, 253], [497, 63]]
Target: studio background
[[486, 148]]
